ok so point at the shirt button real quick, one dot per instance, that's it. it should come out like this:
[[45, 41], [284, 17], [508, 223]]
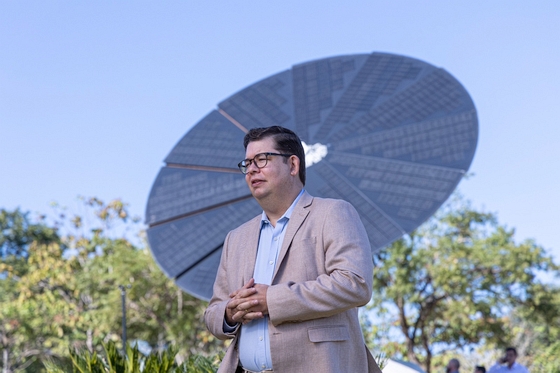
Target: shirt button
[[263, 366], [271, 262], [260, 338], [276, 239]]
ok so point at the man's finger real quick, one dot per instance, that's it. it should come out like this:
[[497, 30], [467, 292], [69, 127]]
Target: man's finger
[[250, 316], [237, 304], [242, 305], [248, 285], [244, 293], [239, 316]]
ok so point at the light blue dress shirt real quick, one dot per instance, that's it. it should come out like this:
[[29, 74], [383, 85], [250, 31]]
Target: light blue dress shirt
[[254, 342]]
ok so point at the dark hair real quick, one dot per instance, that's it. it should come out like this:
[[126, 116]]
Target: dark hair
[[286, 142], [480, 368], [512, 349], [456, 362]]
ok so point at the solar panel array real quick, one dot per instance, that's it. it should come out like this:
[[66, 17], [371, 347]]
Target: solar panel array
[[400, 134]]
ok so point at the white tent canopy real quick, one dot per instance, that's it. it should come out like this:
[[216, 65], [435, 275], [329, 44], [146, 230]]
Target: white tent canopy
[[399, 366]]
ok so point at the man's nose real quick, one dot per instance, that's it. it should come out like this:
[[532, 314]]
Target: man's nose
[[252, 168]]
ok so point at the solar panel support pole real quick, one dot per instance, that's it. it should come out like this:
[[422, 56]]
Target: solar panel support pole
[[123, 299]]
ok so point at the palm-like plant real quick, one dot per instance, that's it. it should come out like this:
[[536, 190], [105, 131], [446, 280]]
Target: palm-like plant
[[133, 361]]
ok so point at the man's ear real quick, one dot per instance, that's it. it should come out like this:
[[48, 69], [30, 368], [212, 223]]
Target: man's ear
[[294, 165]]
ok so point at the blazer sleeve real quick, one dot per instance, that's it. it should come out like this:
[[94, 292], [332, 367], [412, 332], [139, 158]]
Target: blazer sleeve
[[214, 316], [347, 282]]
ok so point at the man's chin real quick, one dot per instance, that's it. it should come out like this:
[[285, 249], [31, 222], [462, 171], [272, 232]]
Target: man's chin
[[258, 193]]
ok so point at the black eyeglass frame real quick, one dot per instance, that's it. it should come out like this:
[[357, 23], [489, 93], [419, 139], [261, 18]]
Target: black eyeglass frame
[[246, 163]]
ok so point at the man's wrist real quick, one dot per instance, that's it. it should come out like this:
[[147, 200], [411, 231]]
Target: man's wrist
[[227, 328]]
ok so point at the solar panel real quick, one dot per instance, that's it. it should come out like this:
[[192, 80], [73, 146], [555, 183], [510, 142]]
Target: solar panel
[[392, 135]]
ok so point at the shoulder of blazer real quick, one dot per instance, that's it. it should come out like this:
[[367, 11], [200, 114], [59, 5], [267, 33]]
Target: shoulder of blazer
[[248, 225], [305, 201], [325, 203]]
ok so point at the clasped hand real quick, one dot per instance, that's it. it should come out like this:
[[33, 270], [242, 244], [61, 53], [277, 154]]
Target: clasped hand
[[247, 304]]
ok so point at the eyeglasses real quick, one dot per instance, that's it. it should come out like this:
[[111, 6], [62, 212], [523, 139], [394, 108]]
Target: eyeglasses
[[260, 160]]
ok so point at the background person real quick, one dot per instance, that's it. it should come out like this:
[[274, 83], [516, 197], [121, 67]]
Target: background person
[[479, 369], [453, 366], [507, 364]]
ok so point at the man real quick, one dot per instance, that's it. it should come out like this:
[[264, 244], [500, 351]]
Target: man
[[290, 280], [507, 363], [453, 366]]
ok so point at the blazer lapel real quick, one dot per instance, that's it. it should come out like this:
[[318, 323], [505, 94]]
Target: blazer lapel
[[250, 249], [296, 220]]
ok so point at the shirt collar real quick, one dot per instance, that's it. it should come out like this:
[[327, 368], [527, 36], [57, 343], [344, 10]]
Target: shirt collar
[[287, 214]]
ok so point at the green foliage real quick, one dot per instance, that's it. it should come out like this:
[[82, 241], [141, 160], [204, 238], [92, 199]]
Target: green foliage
[[18, 236], [114, 361], [532, 333], [547, 361], [454, 282], [201, 364], [17, 232], [59, 288], [381, 360]]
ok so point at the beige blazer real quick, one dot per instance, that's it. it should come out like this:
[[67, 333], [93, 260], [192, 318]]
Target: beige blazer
[[324, 272]]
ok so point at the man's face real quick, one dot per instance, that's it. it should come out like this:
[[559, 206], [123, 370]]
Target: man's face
[[270, 179], [510, 357]]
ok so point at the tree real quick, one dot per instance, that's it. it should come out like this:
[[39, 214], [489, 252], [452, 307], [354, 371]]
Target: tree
[[17, 234], [64, 292], [452, 283], [547, 360], [534, 334]]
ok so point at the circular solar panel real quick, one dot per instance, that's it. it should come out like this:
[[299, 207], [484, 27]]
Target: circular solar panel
[[390, 134]]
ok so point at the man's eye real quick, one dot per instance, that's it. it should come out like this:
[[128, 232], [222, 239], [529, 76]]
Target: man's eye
[[261, 158]]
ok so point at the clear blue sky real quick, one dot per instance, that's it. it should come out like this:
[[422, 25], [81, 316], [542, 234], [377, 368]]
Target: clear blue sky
[[94, 94]]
